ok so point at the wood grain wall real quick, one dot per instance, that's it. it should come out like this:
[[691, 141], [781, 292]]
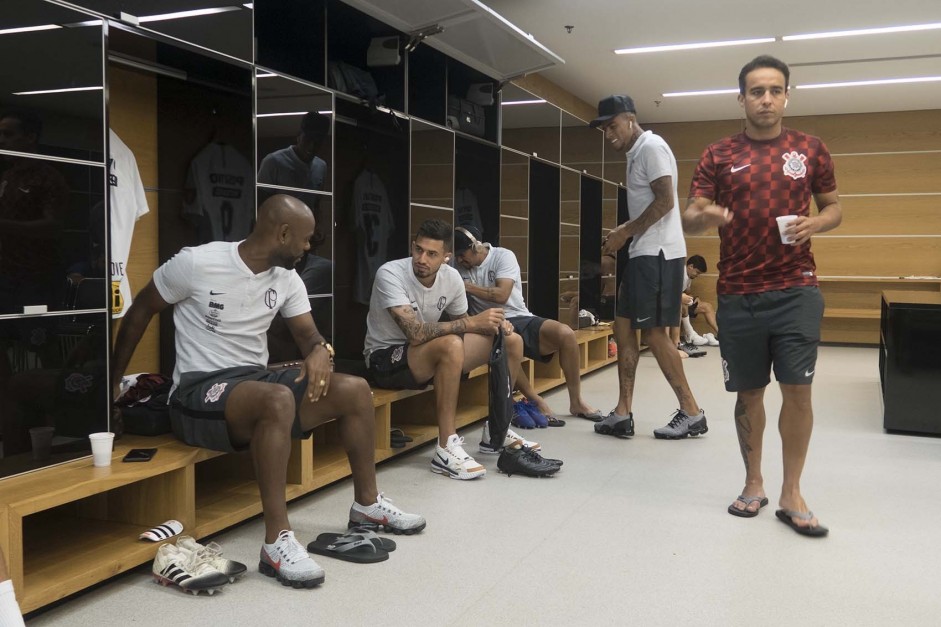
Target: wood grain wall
[[133, 116], [888, 171]]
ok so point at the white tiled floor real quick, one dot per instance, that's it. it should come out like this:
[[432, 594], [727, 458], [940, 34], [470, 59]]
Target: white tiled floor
[[629, 532]]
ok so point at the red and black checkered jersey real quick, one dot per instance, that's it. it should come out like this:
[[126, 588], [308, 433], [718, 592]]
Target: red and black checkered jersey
[[759, 181]]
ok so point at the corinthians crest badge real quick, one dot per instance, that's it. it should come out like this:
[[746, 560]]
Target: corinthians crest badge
[[795, 164]]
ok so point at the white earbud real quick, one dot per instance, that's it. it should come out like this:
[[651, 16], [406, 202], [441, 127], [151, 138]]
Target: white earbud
[[785, 103]]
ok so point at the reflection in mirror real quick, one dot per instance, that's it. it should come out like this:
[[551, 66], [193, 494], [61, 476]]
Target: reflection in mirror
[[51, 233], [52, 72], [281, 344], [581, 145], [220, 25], [432, 165], [293, 127], [53, 388], [321, 244], [530, 124], [477, 187]]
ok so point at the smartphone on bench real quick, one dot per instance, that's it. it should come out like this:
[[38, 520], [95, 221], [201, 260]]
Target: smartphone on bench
[[140, 455]]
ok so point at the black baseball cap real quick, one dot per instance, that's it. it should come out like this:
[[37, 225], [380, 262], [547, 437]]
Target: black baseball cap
[[612, 106]]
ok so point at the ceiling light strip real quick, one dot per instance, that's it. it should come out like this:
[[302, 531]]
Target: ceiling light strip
[[883, 81], [28, 29], [57, 91], [707, 92], [863, 31], [181, 14], [695, 46], [521, 102]]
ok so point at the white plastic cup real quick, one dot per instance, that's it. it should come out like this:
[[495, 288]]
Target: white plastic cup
[[101, 445], [783, 223]]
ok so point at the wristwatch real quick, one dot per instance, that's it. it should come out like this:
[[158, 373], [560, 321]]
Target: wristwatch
[[329, 348]]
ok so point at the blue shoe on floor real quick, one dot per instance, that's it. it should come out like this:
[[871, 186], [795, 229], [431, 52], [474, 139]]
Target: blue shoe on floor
[[539, 419], [521, 417]]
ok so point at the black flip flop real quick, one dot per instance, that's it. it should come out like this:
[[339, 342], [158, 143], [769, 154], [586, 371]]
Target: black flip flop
[[386, 544], [555, 422], [594, 416], [398, 434], [786, 516], [748, 500], [350, 547]]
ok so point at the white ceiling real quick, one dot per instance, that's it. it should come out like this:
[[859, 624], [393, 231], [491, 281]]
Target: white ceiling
[[593, 71]]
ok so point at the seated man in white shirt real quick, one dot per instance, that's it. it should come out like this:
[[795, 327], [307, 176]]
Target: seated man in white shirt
[[408, 346], [224, 297], [492, 278], [693, 306]]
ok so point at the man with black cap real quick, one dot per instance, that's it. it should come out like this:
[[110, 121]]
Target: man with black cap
[[492, 279], [649, 296]]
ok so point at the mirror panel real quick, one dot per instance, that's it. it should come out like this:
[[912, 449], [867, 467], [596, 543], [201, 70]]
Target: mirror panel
[[581, 146], [51, 86], [432, 165], [294, 133], [530, 124], [54, 388], [220, 25]]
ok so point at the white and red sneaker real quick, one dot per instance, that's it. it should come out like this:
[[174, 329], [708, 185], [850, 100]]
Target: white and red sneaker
[[383, 513], [288, 562]]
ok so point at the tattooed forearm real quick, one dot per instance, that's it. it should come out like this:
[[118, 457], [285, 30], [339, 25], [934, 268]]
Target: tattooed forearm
[[743, 428], [418, 332]]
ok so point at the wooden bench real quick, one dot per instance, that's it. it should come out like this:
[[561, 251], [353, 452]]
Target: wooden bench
[[68, 527]]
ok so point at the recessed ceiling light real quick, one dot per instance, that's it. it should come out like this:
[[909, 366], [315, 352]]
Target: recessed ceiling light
[[521, 102], [705, 44], [266, 75], [864, 31], [56, 91], [278, 115], [706, 92], [884, 81]]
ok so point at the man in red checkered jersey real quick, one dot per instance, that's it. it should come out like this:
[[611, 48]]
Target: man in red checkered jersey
[[770, 308]]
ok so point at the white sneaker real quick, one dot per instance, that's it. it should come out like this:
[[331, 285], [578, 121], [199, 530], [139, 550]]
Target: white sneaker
[[511, 437], [696, 340], [212, 553], [288, 562], [383, 513], [711, 339], [454, 462], [189, 572]]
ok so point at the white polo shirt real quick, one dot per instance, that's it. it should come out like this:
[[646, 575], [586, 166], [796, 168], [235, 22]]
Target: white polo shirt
[[648, 159]]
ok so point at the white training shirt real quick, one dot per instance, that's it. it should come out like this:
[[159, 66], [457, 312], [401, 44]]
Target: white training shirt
[[224, 181], [396, 285], [222, 309], [284, 167], [128, 203], [372, 217], [500, 263], [649, 159]]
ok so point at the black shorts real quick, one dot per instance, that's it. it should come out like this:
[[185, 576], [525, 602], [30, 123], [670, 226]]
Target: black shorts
[[780, 328], [388, 368], [650, 296], [527, 327], [197, 405]]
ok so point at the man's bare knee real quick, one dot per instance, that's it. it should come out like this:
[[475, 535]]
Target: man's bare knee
[[514, 346]]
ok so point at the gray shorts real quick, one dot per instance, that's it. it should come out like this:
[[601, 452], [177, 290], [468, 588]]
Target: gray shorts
[[197, 405], [527, 327], [650, 296], [780, 328]]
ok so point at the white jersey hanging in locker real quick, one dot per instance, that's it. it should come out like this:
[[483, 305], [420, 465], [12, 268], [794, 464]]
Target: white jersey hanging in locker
[[225, 200], [373, 220], [127, 204]]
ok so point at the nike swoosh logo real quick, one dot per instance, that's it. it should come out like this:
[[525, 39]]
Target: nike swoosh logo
[[741, 167], [644, 319], [443, 460], [809, 373], [381, 521], [25, 190], [211, 293]]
